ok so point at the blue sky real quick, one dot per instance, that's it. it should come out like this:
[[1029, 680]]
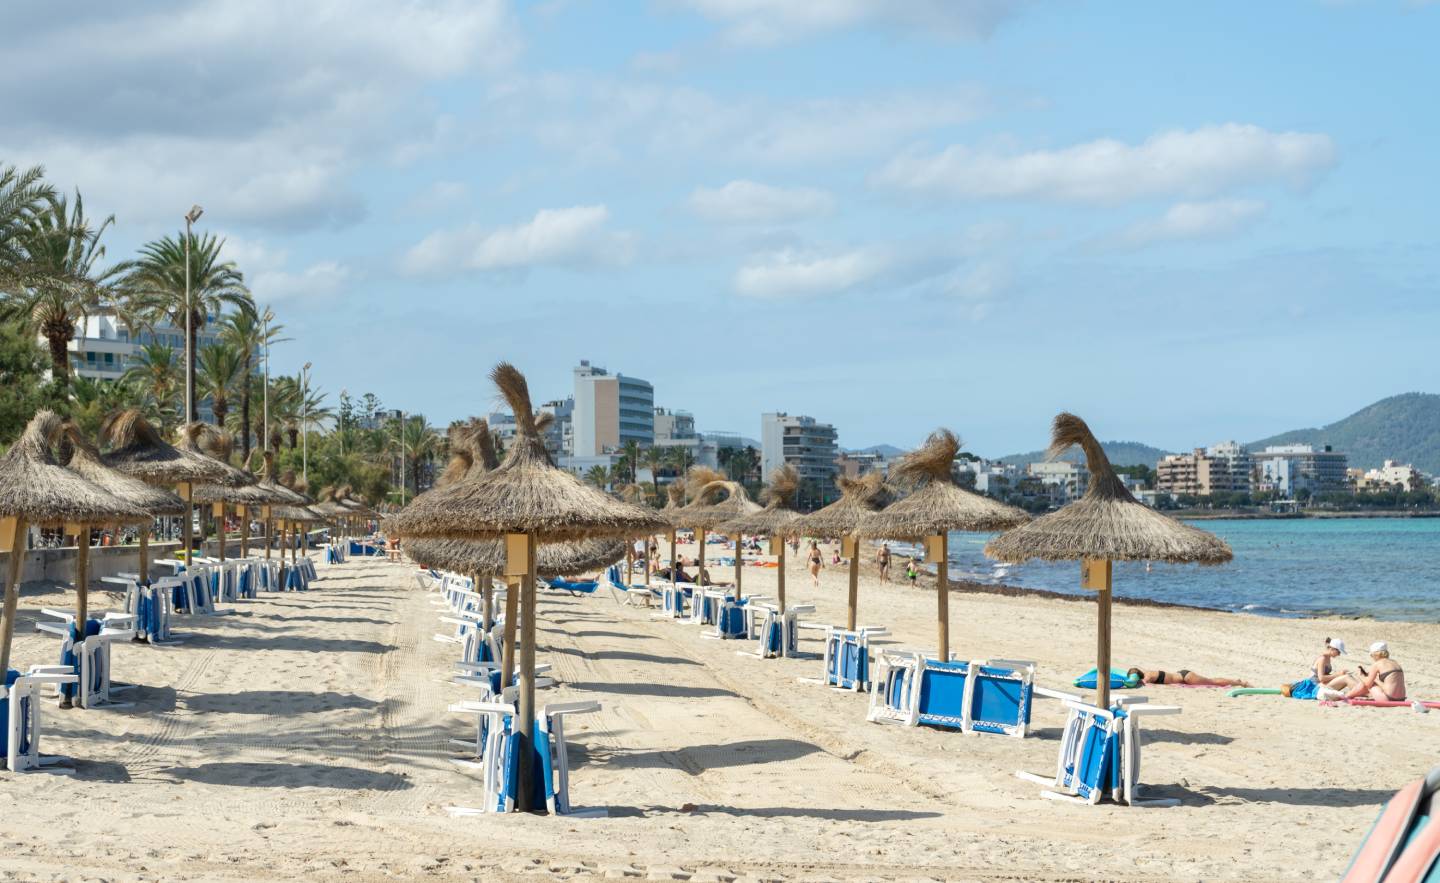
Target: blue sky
[[1185, 222]]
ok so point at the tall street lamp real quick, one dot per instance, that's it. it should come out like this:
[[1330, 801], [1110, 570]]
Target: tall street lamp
[[190, 218], [305, 423], [402, 459]]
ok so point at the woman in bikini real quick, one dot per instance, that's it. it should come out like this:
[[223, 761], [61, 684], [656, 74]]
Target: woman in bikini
[[816, 562], [1182, 677], [1385, 682]]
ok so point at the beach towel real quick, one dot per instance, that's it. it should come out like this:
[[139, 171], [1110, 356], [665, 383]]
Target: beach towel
[[1118, 680], [1305, 689]]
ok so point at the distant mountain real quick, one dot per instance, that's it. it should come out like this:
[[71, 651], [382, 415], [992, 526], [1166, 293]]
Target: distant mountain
[[1121, 453], [886, 451], [1404, 428]]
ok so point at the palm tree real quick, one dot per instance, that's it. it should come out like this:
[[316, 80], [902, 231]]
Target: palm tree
[[680, 459], [598, 475], [420, 442], [218, 374], [630, 458], [285, 407], [62, 284], [249, 332], [655, 460], [94, 399], [156, 370], [23, 195], [155, 286]]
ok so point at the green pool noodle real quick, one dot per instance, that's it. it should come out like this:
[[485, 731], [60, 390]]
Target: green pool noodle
[[1254, 691]]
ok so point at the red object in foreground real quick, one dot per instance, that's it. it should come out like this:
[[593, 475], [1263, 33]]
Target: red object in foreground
[[1404, 844], [1392, 703]]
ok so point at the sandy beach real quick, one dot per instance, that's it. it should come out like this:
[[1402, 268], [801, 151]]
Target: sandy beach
[[307, 734]]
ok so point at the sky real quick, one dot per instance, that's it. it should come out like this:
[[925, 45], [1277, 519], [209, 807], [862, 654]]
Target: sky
[[1184, 222]]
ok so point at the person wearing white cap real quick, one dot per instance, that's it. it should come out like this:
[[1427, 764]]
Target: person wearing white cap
[[1323, 675], [1384, 682]]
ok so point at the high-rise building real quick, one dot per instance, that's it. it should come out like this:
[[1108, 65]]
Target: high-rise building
[[1066, 479], [610, 410], [1220, 468], [802, 442], [1287, 469], [560, 435]]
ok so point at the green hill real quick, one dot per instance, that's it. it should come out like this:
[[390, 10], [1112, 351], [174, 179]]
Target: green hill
[[1121, 453], [1404, 428]]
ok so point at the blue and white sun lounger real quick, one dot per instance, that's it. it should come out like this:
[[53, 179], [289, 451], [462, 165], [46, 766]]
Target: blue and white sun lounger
[[1100, 755], [627, 594], [89, 656], [847, 657], [20, 717], [499, 761], [148, 606], [777, 634], [977, 696]]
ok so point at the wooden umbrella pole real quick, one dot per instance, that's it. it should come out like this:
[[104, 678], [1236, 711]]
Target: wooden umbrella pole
[[647, 564], [942, 596], [82, 601], [525, 731], [854, 600], [780, 576], [507, 653], [12, 593], [220, 531], [487, 602], [674, 557], [186, 532], [269, 539], [145, 555], [739, 563], [1102, 651], [700, 558], [244, 531]]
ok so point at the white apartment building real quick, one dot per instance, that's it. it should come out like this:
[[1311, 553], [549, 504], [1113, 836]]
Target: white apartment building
[[1287, 469], [1070, 479], [803, 442], [1392, 474]]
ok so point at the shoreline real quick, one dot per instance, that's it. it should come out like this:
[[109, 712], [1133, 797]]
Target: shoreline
[[1212, 515]]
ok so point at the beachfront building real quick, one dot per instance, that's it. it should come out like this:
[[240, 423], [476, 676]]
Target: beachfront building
[[804, 443], [676, 429], [853, 464], [560, 434], [1290, 469], [1065, 480], [103, 348], [993, 477], [1389, 477], [1221, 468], [609, 410]]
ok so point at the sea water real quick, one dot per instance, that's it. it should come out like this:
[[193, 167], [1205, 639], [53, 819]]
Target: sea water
[[1385, 568]]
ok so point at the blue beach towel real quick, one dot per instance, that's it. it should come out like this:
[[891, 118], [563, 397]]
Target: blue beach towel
[[1305, 689], [1118, 680]]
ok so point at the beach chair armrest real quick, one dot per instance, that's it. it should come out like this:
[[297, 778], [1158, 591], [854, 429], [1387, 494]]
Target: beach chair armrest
[[477, 666], [50, 678], [800, 608], [54, 628], [471, 706], [580, 707], [1147, 710], [1127, 701], [49, 670], [1047, 693]]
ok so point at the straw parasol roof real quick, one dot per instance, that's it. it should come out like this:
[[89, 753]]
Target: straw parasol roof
[[693, 486], [85, 461], [286, 512], [937, 505], [136, 449], [1107, 522], [859, 499], [36, 488], [524, 493], [779, 516], [720, 502], [193, 435], [488, 556]]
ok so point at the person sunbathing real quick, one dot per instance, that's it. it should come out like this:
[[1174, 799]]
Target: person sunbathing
[[1384, 682], [1180, 677]]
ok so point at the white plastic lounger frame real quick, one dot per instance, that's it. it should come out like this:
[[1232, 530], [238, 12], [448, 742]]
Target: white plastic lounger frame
[[22, 724], [767, 624], [92, 655], [551, 722], [1087, 723], [836, 642]]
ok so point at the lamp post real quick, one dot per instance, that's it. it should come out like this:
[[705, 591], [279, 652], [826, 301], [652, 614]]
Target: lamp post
[[305, 423], [265, 442], [190, 218], [402, 459]]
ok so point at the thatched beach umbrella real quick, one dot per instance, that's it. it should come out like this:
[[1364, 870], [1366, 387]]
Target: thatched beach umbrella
[[191, 435], [720, 503], [34, 489], [488, 556], [283, 495], [136, 449], [154, 500], [936, 507], [1106, 524], [525, 500], [776, 520], [703, 486], [844, 520]]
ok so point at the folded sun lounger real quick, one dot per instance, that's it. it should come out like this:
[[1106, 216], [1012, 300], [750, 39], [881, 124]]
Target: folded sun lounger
[[1403, 846]]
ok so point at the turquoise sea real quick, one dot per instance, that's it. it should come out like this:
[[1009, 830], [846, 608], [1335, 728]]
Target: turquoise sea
[[1385, 568]]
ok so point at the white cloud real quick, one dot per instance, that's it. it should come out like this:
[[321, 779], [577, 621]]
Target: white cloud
[[575, 237], [260, 111], [766, 22], [1197, 163], [1193, 220], [597, 120], [793, 273], [270, 279], [743, 201]]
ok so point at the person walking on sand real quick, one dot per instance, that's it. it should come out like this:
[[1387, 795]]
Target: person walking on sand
[[882, 558], [816, 562], [912, 572]]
